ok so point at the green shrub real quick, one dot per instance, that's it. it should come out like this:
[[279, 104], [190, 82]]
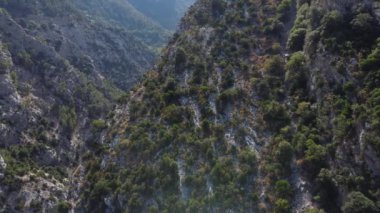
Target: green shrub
[[284, 153], [283, 9], [342, 126], [275, 115], [14, 78], [228, 77], [199, 71], [180, 60], [357, 202], [315, 152], [273, 26], [296, 63], [275, 66], [135, 202], [363, 29], [332, 22], [25, 59], [99, 124], [247, 156], [283, 189], [315, 157], [276, 48], [372, 135], [315, 15], [297, 39], [173, 114], [314, 210], [311, 42], [221, 172], [362, 22], [248, 162], [168, 165], [101, 188], [372, 62], [296, 73], [373, 105], [63, 207], [282, 206], [229, 95], [67, 117], [4, 65]]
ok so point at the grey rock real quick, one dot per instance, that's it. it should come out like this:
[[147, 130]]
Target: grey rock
[[3, 165]]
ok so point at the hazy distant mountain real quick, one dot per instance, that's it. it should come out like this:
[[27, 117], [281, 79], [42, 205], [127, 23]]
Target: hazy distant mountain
[[126, 15], [166, 12]]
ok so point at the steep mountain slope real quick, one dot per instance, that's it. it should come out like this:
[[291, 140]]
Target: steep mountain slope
[[165, 12], [92, 46], [56, 66], [45, 102], [255, 106], [60, 73]]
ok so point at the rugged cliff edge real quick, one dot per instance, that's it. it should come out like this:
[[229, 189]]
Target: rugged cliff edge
[[255, 106]]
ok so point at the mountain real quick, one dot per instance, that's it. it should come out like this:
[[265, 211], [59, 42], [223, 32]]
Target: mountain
[[254, 106], [60, 75], [165, 12], [126, 15]]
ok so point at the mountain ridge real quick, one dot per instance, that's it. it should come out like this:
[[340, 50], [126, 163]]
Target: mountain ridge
[[167, 12]]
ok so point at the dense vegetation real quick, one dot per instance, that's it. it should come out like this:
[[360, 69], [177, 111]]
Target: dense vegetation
[[242, 106]]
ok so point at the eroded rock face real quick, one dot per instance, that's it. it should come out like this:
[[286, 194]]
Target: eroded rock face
[[253, 108], [3, 166]]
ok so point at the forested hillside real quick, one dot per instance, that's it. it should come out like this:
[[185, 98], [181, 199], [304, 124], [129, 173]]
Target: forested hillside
[[256, 106]]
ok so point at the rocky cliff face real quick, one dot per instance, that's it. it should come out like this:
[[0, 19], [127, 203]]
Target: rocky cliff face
[[45, 101], [57, 75], [256, 106]]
